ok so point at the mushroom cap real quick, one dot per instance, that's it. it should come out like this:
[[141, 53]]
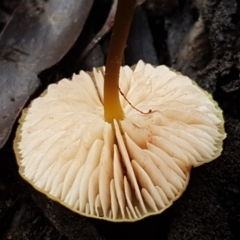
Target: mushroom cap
[[131, 168]]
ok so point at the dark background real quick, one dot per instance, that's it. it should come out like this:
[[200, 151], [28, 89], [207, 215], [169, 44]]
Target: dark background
[[201, 39]]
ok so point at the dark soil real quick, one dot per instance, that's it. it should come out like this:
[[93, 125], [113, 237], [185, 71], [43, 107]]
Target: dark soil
[[201, 39]]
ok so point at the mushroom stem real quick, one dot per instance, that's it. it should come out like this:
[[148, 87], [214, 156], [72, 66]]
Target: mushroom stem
[[122, 23]]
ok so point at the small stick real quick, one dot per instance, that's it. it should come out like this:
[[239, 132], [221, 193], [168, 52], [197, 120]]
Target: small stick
[[104, 30]]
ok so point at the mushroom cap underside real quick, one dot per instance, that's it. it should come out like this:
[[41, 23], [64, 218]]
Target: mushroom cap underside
[[131, 168]]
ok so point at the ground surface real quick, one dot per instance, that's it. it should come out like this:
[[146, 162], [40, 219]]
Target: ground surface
[[200, 39]]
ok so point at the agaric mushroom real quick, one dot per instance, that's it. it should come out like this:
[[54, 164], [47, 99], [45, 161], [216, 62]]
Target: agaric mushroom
[[85, 146]]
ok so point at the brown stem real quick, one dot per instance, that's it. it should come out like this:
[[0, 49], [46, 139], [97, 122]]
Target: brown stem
[[121, 27]]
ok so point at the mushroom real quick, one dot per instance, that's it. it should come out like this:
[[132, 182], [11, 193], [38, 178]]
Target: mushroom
[[118, 157]]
